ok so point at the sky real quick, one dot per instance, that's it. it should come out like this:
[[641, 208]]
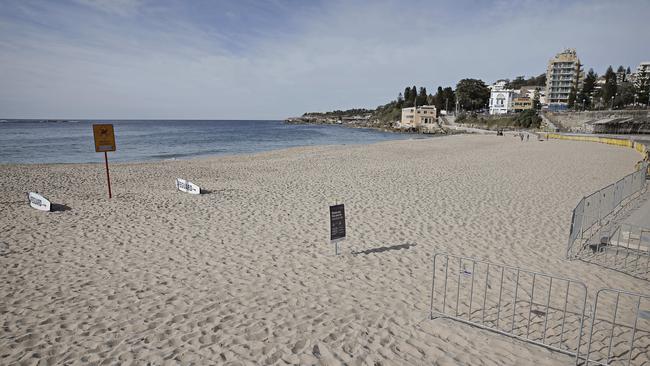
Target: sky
[[245, 59]]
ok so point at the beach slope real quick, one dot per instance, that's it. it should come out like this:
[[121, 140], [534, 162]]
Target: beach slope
[[245, 274]]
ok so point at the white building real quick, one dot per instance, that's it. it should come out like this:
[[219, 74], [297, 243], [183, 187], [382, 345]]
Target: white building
[[500, 98], [641, 81]]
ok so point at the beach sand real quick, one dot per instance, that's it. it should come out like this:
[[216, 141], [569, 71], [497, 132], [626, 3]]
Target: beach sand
[[246, 275]]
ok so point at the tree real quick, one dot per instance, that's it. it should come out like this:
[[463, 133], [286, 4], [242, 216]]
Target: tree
[[440, 99], [422, 96], [407, 98], [609, 89], [588, 86], [528, 119], [625, 95], [520, 81], [414, 95], [572, 98], [400, 101], [517, 83], [472, 94], [621, 71], [449, 97], [537, 105]]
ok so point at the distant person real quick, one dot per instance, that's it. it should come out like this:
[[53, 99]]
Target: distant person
[[521, 136], [527, 137]]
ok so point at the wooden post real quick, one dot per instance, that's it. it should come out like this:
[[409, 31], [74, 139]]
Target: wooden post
[[108, 176]]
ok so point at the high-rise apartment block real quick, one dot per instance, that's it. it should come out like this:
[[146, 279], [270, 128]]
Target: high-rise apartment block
[[563, 75]]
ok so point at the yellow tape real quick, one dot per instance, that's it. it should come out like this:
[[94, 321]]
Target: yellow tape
[[603, 140]]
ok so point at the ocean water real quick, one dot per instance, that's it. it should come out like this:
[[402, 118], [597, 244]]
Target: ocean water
[[72, 141]]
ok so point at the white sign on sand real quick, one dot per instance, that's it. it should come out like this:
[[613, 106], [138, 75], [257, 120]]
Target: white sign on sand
[[38, 202], [187, 186]]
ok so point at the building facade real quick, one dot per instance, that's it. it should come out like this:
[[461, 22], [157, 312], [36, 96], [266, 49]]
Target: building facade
[[522, 103], [642, 83], [416, 117], [530, 90], [563, 75], [500, 98]]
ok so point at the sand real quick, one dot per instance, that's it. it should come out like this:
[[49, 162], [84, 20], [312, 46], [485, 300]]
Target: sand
[[246, 275]]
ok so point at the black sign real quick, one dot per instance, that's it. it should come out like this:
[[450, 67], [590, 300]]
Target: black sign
[[337, 222]]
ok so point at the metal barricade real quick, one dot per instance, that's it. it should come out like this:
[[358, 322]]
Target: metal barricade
[[576, 226], [535, 307], [593, 211], [624, 248], [620, 329]]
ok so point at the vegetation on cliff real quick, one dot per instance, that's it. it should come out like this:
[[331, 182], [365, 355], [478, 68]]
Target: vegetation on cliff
[[526, 119]]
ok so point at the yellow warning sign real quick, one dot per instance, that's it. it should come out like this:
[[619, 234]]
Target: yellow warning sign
[[104, 138]]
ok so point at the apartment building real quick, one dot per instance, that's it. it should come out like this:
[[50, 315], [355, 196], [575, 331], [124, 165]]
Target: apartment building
[[522, 103], [642, 81], [415, 117], [563, 74]]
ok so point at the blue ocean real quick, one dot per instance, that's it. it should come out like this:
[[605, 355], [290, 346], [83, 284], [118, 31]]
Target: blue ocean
[[29, 141]]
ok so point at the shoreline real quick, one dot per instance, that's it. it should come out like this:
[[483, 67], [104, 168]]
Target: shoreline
[[213, 156]]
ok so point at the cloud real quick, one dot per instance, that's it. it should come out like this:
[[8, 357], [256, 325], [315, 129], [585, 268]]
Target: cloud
[[279, 58]]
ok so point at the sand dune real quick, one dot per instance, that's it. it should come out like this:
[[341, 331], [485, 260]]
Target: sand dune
[[246, 274]]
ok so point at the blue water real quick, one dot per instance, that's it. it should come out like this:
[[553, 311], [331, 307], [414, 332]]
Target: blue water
[[72, 142]]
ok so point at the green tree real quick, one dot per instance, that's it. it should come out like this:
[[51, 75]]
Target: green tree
[[620, 73], [609, 89], [440, 99], [572, 98], [528, 119], [472, 94], [517, 83], [520, 81], [414, 95], [625, 95], [408, 99], [588, 86], [449, 97], [537, 105], [422, 96]]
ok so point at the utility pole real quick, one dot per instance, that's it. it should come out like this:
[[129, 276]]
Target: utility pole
[[447, 105]]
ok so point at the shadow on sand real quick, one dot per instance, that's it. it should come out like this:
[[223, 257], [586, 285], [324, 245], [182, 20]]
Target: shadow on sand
[[58, 207], [384, 249]]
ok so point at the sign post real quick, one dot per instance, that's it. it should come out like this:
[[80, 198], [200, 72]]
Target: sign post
[[104, 142], [337, 225]]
